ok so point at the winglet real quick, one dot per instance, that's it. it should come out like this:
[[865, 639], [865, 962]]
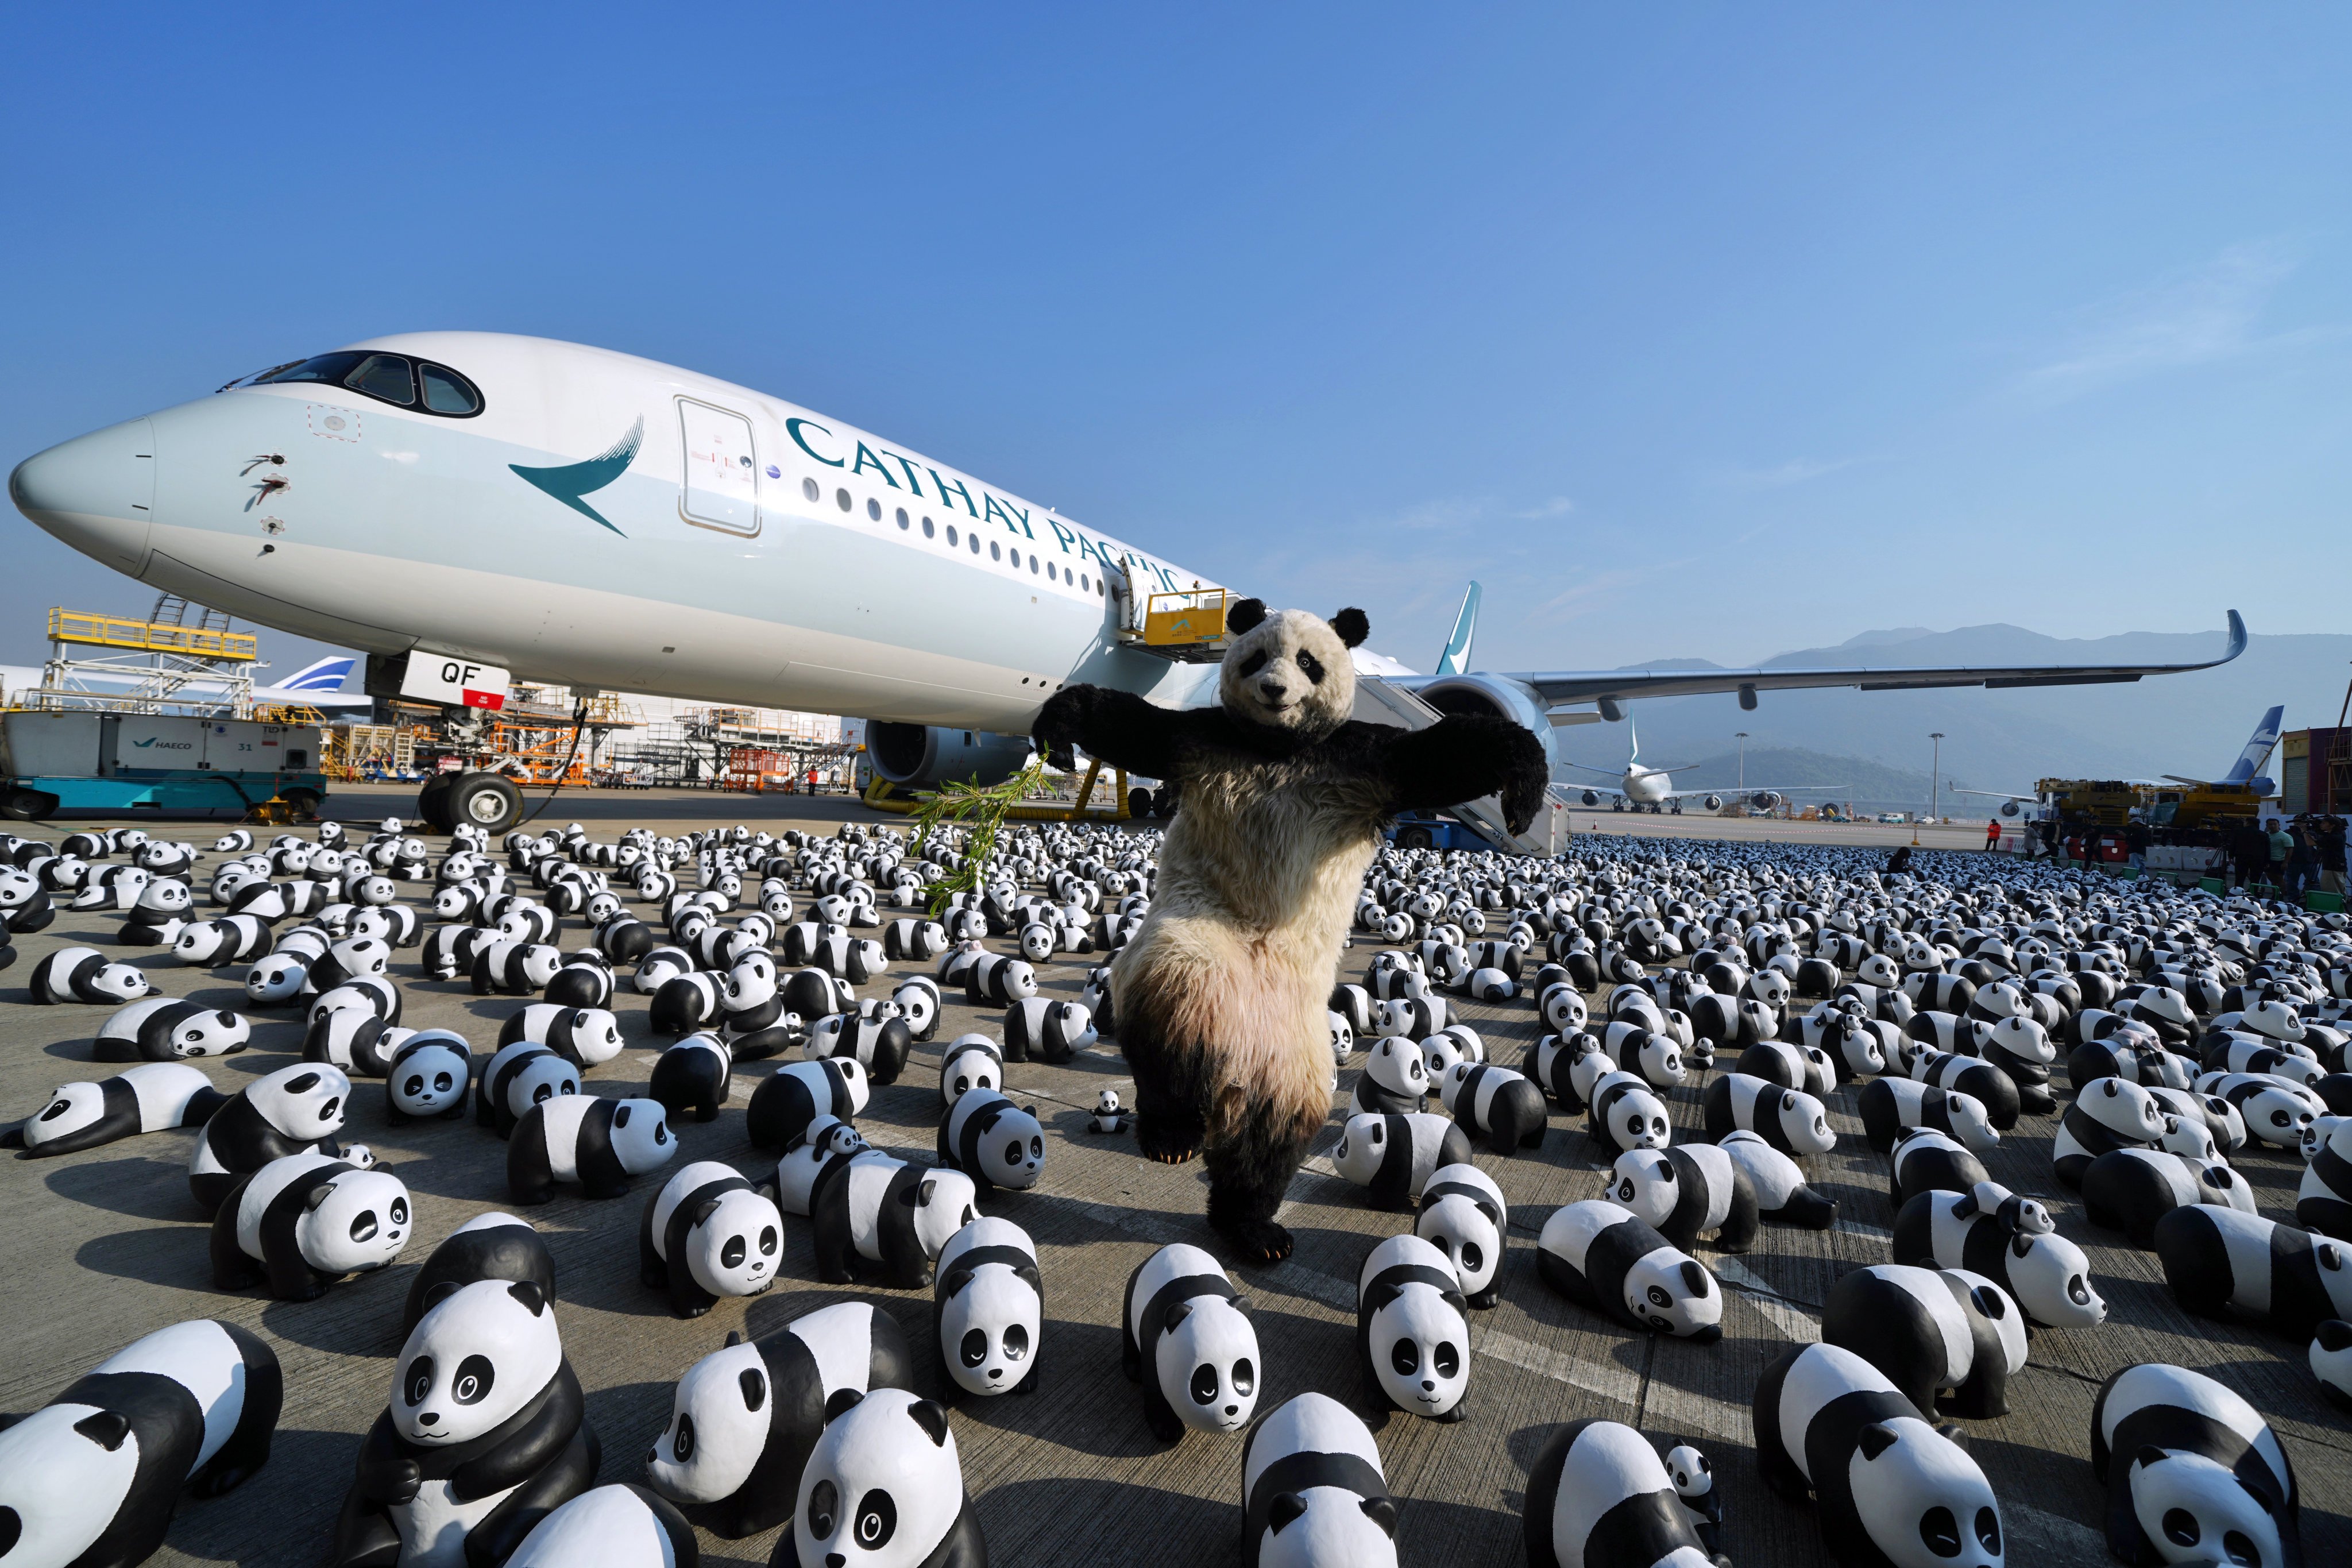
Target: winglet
[[1455, 658]]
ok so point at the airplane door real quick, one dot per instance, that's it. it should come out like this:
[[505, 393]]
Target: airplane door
[[721, 484]]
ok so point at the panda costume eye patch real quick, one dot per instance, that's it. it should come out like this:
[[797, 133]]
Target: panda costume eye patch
[[1312, 666], [1254, 663]]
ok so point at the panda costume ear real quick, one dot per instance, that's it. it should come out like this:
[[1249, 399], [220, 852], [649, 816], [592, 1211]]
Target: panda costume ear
[[1244, 615], [1353, 626]]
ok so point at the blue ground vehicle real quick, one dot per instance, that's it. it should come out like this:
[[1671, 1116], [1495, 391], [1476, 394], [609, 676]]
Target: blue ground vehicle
[[54, 764], [1414, 830]]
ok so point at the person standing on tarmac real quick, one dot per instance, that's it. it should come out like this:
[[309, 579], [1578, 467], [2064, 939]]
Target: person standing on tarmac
[[1992, 835]]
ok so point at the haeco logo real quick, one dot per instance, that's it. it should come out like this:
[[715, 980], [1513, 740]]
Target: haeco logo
[[167, 745]]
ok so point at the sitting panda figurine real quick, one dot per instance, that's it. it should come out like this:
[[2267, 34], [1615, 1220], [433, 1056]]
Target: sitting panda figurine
[[484, 1435], [1185, 1338], [1601, 1255], [745, 1418], [709, 1233], [886, 1472], [2189, 1463], [1694, 1481], [618, 1526], [1109, 1116], [1313, 1495], [988, 1310], [1413, 1329], [1394, 1079], [1596, 1494], [1463, 1214], [301, 1223]]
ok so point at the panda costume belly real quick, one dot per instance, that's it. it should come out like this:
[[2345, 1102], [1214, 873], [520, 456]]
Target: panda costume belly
[[1222, 994]]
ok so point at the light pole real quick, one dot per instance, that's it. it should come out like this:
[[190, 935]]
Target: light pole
[[1743, 761], [1935, 779]]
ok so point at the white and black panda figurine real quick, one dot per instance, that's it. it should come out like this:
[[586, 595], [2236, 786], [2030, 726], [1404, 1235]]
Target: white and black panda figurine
[[2323, 1201], [160, 1029], [2011, 1240], [92, 1476], [1413, 1329], [1627, 1114], [1789, 1119], [882, 1221], [483, 1438], [1039, 1029], [709, 1233], [1503, 1107], [995, 1142], [85, 974], [1694, 1481], [2130, 1189], [1781, 1194], [878, 1044], [1313, 1494], [1924, 1159], [791, 1100], [584, 1037], [745, 1419], [693, 1073], [2193, 1472], [972, 1061], [884, 1489], [493, 1245], [299, 1223], [814, 1158], [2109, 1113], [1393, 1157], [1890, 1105], [1687, 1193], [1599, 1498], [1109, 1116], [1463, 1214], [1931, 1330], [1393, 1080], [518, 1078], [2331, 1361], [597, 1144], [294, 1110], [613, 1526], [153, 1097], [988, 1308], [1185, 1338], [2221, 1263], [1885, 1483], [1602, 1257]]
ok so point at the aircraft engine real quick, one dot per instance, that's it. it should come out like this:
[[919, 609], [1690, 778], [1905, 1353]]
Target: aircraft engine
[[920, 756], [1592, 798], [1715, 802], [2009, 808], [1764, 799], [1503, 699]]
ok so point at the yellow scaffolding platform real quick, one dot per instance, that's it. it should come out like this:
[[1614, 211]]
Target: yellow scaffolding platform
[[151, 637]]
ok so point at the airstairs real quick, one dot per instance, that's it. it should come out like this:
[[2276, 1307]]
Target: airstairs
[[1379, 702]]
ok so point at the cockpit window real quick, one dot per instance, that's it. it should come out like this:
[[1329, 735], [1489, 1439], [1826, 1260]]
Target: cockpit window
[[388, 378]]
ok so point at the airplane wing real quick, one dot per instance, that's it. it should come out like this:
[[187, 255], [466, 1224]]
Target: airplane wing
[[1734, 792], [1994, 793], [1609, 688]]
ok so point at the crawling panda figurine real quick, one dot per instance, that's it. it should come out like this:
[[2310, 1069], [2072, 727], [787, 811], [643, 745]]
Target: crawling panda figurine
[[993, 1140], [493, 1245], [1501, 1106], [1313, 1495], [1185, 1338], [972, 1061], [484, 1435], [1463, 1214], [1392, 1157], [988, 1308], [85, 974], [1688, 1191], [1781, 1194], [1109, 1116], [296, 1109], [1924, 1161], [1413, 1329], [1889, 1106], [745, 1418], [791, 1100], [1931, 1331], [617, 1526], [1601, 1255], [2130, 1189], [518, 1078], [885, 1483], [302, 1223], [709, 1233], [150, 1098], [2223, 1263], [1597, 1496], [1884, 1481], [693, 1073], [1789, 1119], [2013, 1240], [92, 1476], [160, 1029], [2191, 1468], [598, 1143], [884, 1221]]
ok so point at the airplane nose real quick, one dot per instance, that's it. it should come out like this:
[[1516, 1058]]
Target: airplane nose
[[96, 492]]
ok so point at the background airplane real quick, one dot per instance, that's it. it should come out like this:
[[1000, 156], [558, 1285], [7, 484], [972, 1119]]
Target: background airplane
[[1641, 786], [2246, 769], [318, 685], [593, 520]]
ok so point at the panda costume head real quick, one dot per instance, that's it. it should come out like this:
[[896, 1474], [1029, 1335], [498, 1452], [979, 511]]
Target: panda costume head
[[1288, 669], [480, 1354]]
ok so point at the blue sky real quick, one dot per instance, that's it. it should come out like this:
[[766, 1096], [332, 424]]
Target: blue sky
[[1692, 331]]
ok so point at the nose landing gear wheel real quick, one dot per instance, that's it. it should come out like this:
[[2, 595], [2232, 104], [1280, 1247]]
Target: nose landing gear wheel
[[1415, 838], [433, 802], [485, 801]]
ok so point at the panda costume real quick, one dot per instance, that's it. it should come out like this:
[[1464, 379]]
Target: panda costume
[[1221, 994]]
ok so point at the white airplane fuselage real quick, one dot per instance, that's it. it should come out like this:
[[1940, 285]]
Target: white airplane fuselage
[[742, 550], [1647, 786]]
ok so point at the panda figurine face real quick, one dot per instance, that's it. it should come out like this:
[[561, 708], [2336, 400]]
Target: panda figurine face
[[990, 1327], [883, 1487], [1288, 669], [1673, 1294], [717, 1428], [736, 1245], [306, 1102], [1924, 1503], [60, 1485], [2191, 1508], [972, 1062], [1459, 1227], [1396, 1065], [279, 977], [641, 1138], [1343, 1039], [432, 1077], [482, 1354], [359, 1225], [1207, 1364]]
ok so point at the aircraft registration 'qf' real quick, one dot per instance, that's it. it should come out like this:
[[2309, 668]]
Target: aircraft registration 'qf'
[[601, 522]]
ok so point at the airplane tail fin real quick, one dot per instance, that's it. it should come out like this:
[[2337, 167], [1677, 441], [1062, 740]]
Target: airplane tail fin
[[1632, 743], [326, 675], [1455, 658], [2258, 748]]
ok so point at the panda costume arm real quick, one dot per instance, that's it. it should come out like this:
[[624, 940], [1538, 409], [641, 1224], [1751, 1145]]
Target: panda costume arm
[[1123, 729], [1462, 757]]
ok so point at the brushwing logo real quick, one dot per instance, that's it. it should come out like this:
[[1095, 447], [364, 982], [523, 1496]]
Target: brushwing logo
[[142, 745], [568, 482]]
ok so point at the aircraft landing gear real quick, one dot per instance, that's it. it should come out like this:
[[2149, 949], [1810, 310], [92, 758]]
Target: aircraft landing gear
[[482, 800], [1617, 804], [1677, 808]]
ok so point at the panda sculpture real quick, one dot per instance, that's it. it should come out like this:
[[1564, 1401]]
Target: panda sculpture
[[92, 1476], [1789, 1119], [2331, 1361], [2323, 1201], [1694, 1481], [790, 1100], [597, 1144], [1602, 1257], [484, 1436], [2130, 1189], [1924, 1161], [1625, 1114], [613, 1526], [1463, 1215], [884, 1489], [1781, 1194], [2274, 1111], [988, 1310], [518, 1078], [693, 1073], [1108, 1115], [1503, 1107], [85, 974], [293, 1111], [1392, 1157], [2011, 1240], [1185, 1338], [2192, 1472], [1222, 990], [709, 1233], [2109, 1114], [1931, 1330], [299, 1223], [812, 1159], [1791, 1064], [493, 1245], [150, 1098], [1883, 1481], [1412, 1329], [1599, 1498], [995, 1142], [1554, 1062], [1890, 1105], [883, 1220], [1313, 1494], [2223, 1263], [1037, 1029], [1394, 1079], [584, 1037], [1687, 1193], [160, 1029], [878, 1045]]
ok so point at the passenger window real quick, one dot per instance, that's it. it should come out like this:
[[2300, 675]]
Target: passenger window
[[808, 489], [1033, 565], [927, 528], [902, 519], [997, 553], [386, 376], [446, 392], [974, 538], [873, 510], [841, 500], [951, 537]]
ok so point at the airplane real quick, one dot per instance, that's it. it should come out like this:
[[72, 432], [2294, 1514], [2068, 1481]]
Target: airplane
[[318, 685], [1653, 787], [2246, 771], [468, 507]]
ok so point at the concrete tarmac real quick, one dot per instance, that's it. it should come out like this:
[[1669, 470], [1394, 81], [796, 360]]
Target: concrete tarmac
[[107, 1244]]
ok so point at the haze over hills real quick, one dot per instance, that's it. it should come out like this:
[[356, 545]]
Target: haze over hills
[[2191, 724]]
